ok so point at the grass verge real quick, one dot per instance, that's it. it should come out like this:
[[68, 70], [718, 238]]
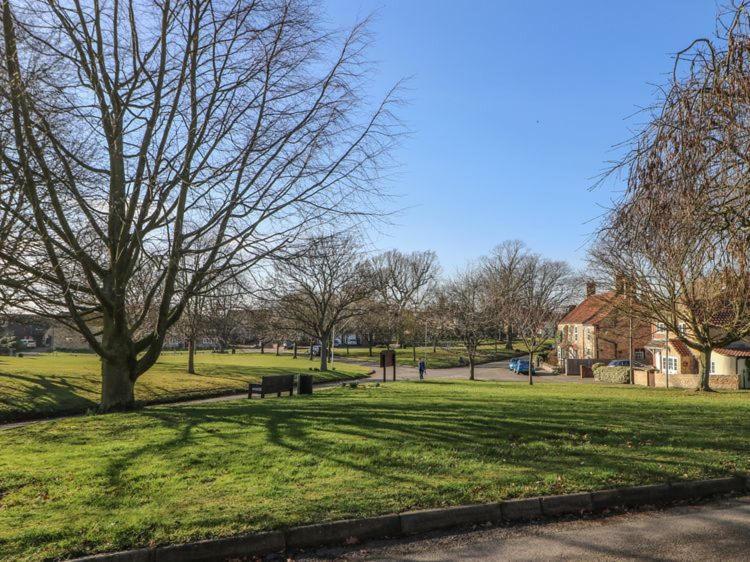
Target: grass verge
[[181, 473]]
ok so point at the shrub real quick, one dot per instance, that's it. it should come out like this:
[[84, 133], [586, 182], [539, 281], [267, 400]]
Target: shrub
[[618, 375]]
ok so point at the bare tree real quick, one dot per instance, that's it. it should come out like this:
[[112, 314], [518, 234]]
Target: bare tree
[[680, 236], [209, 129], [694, 282], [192, 325], [544, 294], [402, 282], [323, 287], [503, 272], [466, 299]]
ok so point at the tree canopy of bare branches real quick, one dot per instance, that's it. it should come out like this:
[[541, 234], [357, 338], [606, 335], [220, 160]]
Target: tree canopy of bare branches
[[545, 290], [138, 134], [468, 310], [680, 236], [503, 274], [402, 282], [323, 287]]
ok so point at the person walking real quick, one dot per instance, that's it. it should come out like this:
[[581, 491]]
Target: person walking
[[422, 369]]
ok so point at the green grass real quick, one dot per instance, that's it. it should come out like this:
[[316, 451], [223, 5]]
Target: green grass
[[43, 385], [180, 473], [441, 358]]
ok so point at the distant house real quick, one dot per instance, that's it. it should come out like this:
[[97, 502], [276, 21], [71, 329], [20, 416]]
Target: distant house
[[598, 331], [730, 366], [30, 331]]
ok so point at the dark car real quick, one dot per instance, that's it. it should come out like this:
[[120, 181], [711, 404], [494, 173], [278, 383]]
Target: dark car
[[513, 363], [522, 367], [619, 363]]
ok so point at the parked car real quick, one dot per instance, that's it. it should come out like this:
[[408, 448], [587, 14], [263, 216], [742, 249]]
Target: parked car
[[619, 363], [625, 363], [28, 343], [337, 342], [522, 367], [351, 340], [288, 344], [315, 350], [513, 363]]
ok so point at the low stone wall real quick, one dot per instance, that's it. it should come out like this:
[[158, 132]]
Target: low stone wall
[[687, 380]]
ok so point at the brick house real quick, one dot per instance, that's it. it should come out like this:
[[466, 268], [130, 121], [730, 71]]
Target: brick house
[[730, 366], [598, 330]]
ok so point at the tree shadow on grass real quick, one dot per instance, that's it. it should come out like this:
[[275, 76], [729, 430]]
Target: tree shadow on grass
[[393, 439], [34, 394]]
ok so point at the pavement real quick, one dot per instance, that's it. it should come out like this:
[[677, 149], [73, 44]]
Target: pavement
[[719, 530]]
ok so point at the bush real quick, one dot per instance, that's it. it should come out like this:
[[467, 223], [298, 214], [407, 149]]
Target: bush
[[618, 375]]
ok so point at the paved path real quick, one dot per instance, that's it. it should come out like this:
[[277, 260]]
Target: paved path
[[717, 531]]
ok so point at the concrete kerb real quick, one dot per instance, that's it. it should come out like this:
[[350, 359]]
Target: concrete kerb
[[342, 531], [414, 522]]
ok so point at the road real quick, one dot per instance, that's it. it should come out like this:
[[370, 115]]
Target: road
[[715, 531], [496, 371]]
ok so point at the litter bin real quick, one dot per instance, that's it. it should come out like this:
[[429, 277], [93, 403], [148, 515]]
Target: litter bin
[[305, 384]]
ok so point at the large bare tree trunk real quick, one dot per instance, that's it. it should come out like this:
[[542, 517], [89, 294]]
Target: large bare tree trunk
[[191, 355], [471, 367], [118, 369], [705, 371], [508, 337]]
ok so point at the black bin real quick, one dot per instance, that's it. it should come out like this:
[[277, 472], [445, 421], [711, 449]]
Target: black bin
[[305, 384]]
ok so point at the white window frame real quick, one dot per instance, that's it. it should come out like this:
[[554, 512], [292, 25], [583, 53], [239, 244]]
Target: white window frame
[[712, 370], [673, 364], [639, 354]]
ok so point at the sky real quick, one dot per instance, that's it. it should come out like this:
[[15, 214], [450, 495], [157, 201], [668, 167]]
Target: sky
[[515, 108]]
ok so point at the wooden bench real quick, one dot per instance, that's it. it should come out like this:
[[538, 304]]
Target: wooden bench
[[269, 385]]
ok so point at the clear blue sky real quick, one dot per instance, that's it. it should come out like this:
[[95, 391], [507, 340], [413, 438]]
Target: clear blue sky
[[515, 107]]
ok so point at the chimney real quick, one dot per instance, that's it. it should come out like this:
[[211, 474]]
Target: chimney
[[590, 289]]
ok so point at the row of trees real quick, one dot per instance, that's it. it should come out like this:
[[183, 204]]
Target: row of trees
[[680, 236], [402, 297]]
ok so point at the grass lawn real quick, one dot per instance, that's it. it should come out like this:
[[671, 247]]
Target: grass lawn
[[179, 473], [42, 385], [441, 358]]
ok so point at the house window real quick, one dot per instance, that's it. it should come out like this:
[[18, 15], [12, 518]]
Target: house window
[[672, 364], [640, 354], [661, 327], [713, 367], [575, 332], [681, 328]]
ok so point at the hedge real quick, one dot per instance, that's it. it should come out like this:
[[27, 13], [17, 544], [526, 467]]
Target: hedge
[[620, 375]]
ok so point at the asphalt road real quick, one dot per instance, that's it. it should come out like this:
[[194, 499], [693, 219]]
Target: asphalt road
[[496, 371], [715, 531]]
